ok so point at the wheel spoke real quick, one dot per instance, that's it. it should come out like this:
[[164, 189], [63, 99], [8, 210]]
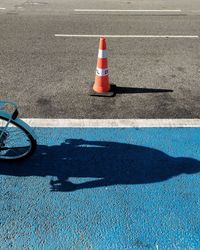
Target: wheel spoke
[[16, 142]]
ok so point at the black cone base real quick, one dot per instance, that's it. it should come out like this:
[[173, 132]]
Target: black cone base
[[110, 93]]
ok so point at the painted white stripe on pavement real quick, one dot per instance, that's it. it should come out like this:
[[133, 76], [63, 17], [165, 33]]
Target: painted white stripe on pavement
[[2, 8], [102, 53], [112, 123], [104, 10], [129, 36]]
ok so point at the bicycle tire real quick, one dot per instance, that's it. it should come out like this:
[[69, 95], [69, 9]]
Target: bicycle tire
[[33, 142]]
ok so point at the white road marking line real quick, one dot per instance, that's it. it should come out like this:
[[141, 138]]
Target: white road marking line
[[2, 8], [104, 10], [129, 36], [113, 123]]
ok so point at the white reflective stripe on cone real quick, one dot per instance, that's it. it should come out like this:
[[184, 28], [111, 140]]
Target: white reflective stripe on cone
[[102, 72], [102, 53]]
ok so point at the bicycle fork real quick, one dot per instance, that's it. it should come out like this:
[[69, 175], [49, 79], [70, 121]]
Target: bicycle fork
[[3, 132]]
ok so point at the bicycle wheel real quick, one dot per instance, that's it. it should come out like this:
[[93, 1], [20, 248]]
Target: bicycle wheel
[[16, 142]]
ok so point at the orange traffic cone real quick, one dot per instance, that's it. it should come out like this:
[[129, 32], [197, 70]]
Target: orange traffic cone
[[101, 85]]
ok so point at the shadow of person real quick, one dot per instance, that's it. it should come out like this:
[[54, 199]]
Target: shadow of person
[[110, 163]]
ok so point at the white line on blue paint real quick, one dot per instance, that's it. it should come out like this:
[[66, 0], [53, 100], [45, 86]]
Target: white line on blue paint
[[110, 123]]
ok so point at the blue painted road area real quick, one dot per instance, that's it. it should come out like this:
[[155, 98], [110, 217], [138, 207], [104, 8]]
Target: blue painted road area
[[104, 188]]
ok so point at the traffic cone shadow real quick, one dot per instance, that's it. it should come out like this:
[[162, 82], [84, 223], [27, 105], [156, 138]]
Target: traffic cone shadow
[[132, 90]]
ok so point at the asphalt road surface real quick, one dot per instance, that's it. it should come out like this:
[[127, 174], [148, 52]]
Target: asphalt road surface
[[50, 77]]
